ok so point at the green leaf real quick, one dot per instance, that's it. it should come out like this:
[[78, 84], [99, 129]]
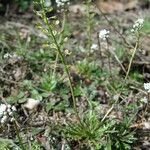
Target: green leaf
[[22, 100], [49, 106]]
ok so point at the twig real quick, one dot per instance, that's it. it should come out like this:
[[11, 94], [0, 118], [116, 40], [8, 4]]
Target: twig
[[108, 112], [124, 70]]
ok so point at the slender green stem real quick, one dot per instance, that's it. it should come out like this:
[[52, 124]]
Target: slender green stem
[[109, 58], [100, 51], [60, 39], [132, 57], [63, 61], [89, 25], [131, 60]]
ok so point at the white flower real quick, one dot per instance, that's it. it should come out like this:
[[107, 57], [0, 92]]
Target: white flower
[[147, 87], [47, 3], [94, 46], [12, 119], [61, 3], [13, 108], [144, 100], [3, 120], [137, 25], [7, 55], [104, 34], [3, 108], [6, 112], [8, 106]]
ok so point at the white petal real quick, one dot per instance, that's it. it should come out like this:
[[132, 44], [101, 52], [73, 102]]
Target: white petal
[[13, 108], [3, 107]]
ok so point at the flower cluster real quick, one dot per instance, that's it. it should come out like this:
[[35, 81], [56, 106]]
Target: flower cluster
[[137, 25], [147, 87], [104, 34], [47, 3], [61, 3], [8, 55], [6, 113]]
